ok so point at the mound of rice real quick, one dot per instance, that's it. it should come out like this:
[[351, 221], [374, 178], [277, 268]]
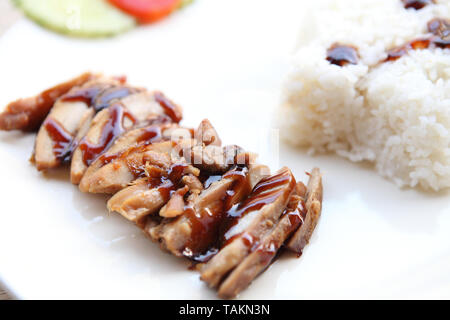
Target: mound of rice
[[395, 114]]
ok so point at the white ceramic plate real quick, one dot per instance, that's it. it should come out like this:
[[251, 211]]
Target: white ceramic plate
[[222, 60]]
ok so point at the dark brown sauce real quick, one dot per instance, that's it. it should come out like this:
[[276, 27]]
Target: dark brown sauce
[[397, 53], [264, 193], [168, 106], [61, 139], [104, 99], [416, 4], [296, 213], [99, 97], [111, 130], [440, 28], [86, 95], [206, 225], [168, 184], [208, 180], [149, 135], [342, 55], [210, 228]]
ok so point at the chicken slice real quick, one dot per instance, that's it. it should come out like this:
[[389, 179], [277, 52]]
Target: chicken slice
[[68, 119], [207, 135], [257, 172], [120, 172], [253, 218], [314, 193], [136, 200], [175, 206], [157, 130], [109, 124], [29, 113], [196, 231], [147, 195], [214, 159], [264, 253]]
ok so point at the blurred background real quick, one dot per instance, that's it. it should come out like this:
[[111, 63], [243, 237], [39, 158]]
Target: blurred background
[[8, 15]]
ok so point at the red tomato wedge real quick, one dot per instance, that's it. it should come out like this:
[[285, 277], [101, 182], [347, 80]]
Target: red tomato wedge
[[147, 11]]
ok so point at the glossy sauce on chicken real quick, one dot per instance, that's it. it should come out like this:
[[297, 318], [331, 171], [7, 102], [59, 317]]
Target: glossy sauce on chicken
[[99, 96], [206, 225], [168, 184], [149, 135], [61, 140], [112, 129], [264, 193], [169, 107], [213, 229]]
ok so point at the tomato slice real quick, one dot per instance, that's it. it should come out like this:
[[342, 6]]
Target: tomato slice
[[147, 11]]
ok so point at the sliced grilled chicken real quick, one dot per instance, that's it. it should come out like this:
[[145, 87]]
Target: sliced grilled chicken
[[313, 196], [29, 113], [211, 204], [147, 195], [175, 206], [118, 171], [126, 167], [136, 200], [257, 172], [68, 119], [196, 232], [207, 135], [253, 219], [264, 253], [157, 130], [213, 159], [109, 124]]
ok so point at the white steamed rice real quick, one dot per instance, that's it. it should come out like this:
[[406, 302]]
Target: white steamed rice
[[395, 114]]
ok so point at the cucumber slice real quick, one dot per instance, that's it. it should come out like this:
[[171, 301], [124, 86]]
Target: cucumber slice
[[82, 18], [184, 3]]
